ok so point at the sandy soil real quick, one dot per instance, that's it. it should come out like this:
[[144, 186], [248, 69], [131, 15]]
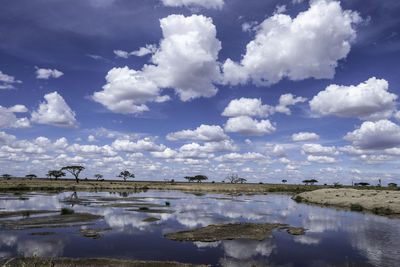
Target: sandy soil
[[382, 202]]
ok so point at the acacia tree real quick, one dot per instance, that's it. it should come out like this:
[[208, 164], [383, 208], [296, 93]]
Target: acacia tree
[[98, 176], [55, 173], [75, 170], [234, 179], [284, 181], [125, 175], [30, 176], [6, 175]]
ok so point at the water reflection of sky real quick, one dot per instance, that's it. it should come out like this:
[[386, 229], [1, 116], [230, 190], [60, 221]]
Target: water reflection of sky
[[332, 237]]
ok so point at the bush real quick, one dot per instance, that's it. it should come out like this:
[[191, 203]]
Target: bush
[[356, 207], [382, 211], [66, 211], [167, 203], [143, 208], [298, 199]]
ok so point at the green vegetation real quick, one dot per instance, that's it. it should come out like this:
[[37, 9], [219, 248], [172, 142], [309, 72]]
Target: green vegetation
[[382, 211], [66, 211], [75, 170], [30, 176], [55, 173], [197, 178], [311, 182], [235, 179], [125, 175], [356, 207]]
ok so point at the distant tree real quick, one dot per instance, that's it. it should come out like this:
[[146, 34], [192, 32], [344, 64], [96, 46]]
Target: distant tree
[[98, 176], [361, 184], [200, 178], [75, 170], [125, 175], [6, 175], [336, 184], [189, 178], [232, 178], [197, 178], [241, 180], [55, 173], [392, 185], [284, 181], [311, 182], [30, 176]]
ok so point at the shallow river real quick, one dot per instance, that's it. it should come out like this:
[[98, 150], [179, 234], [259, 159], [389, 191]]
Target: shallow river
[[332, 238]]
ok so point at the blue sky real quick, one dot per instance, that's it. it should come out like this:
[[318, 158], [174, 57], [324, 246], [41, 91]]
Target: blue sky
[[269, 90]]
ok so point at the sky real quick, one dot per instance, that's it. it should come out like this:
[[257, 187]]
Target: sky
[[267, 90]]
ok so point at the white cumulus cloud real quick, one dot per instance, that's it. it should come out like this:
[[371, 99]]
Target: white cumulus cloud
[[55, 111], [288, 100], [248, 126], [251, 107], [206, 133], [375, 135], [185, 61], [304, 136], [324, 32], [321, 159], [142, 51], [9, 120], [318, 150], [369, 100], [48, 73], [7, 81]]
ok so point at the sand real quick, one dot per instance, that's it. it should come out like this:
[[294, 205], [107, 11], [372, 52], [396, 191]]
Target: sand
[[382, 202]]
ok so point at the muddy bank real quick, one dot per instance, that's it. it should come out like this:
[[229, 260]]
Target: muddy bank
[[64, 262], [217, 232], [381, 202]]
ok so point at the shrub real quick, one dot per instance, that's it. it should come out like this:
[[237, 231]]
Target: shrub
[[356, 207], [143, 208], [66, 211], [167, 203], [382, 211], [298, 199]]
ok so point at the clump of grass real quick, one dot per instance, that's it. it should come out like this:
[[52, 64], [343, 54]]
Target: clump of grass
[[298, 199], [382, 211], [143, 208], [167, 203], [66, 211], [356, 207]]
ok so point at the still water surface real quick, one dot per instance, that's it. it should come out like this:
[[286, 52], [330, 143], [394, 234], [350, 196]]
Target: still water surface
[[333, 237]]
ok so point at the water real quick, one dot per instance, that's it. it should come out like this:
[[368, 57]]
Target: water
[[333, 237]]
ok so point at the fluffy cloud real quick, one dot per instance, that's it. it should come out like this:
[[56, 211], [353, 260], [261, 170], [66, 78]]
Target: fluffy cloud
[[248, 126], [369, 100], [236, 157], [251, 107], [145, 144], [318, 150], [375, 135], [7, 81], [185, 61], [9, 120], [6, 138], [206, 133], [48, 73], [215, 4], [304, 136], [55, 111], [288, 100], [324, 32], [321, 159], [148, 49]]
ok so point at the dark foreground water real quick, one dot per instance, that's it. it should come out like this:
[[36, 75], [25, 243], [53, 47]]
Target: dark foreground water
[[333, 238]]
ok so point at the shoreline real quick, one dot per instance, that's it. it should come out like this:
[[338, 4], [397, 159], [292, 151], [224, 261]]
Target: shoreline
[[378, 202], [44, 184]]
